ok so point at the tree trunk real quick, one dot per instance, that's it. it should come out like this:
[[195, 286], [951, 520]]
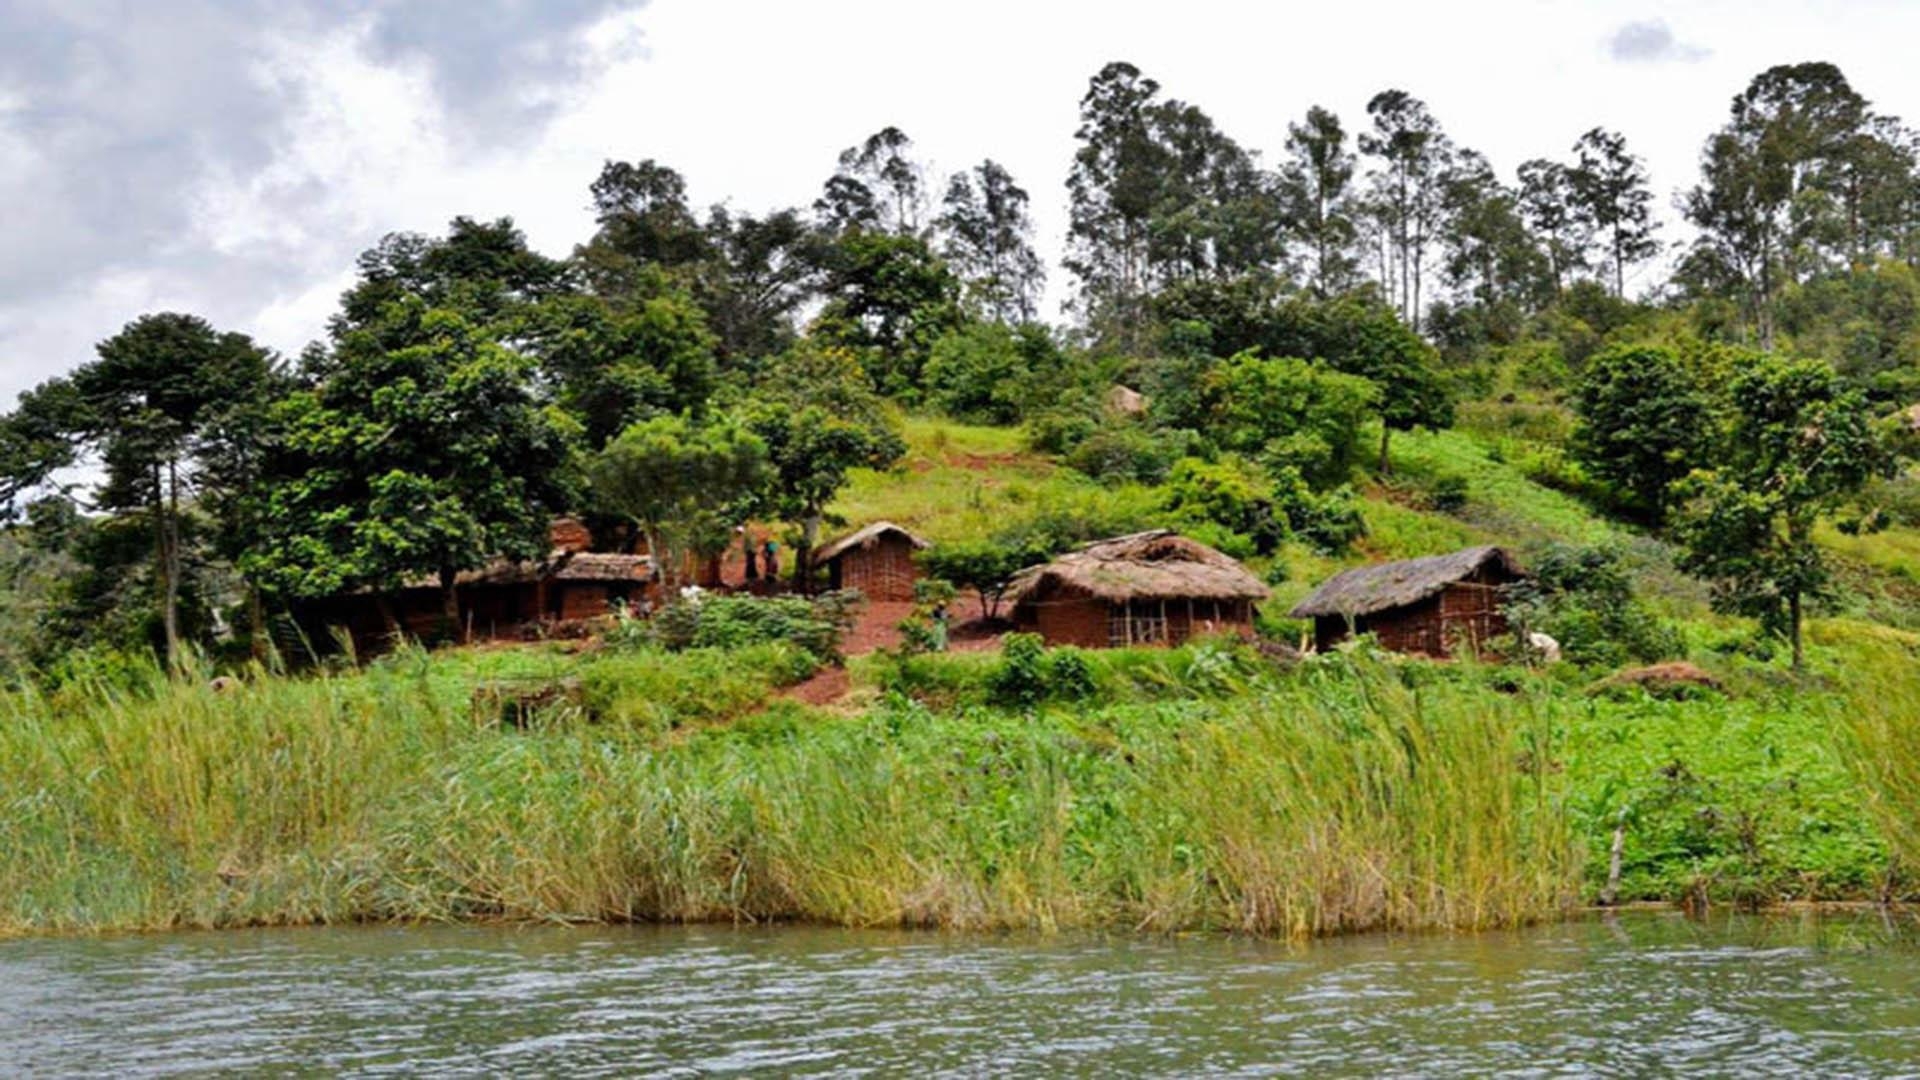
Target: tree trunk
[[1386, 463], [450, 604], [803, 554], [1793, 624], [383, 602], [173, 561], [256, 622]]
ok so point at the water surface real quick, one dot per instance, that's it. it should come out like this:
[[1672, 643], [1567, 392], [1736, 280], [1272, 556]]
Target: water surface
[[1646, 994]]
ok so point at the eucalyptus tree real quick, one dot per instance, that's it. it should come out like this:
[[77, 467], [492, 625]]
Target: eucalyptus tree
[[1414, 158], [1613, 197], [1112, 190], [1752, 204], [1546, 204], [988, 241], [1315, 189], [878, 185]]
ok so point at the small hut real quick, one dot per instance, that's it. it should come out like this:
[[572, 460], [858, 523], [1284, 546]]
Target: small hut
[[877, 560], [1429, 606], [1150, 588], [498, 600]]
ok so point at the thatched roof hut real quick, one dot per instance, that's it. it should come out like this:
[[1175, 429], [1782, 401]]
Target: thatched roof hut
[[876, 560], [1418, 605], [871, 536], [1126, 401], [1147, 588]]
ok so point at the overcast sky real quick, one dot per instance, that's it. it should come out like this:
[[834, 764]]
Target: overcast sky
[[231, 157]]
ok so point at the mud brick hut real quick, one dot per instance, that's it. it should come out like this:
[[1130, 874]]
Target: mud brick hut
[[877, 560], [499, 600], [1150, 588], [1432, 606]]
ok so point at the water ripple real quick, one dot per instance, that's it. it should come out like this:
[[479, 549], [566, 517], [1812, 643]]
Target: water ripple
[[1644, 995]]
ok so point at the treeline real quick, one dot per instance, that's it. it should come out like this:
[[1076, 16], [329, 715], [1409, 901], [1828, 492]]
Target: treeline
[[683, 370]]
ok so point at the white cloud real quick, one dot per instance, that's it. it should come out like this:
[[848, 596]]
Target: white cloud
[[162, 164]]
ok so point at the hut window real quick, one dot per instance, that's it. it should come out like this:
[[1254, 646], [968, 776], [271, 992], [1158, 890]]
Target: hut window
[[1136, 624]]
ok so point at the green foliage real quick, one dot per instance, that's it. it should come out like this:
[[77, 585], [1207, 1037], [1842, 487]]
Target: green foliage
[[1449, 493], [1801, 444], [1583, 597], [890, 298], [422, 460], [1644, 423], [612, 368], [814, 626], [987, 566], [1029, 673], [679, 482], [1289, 412], [991, 374], [1231, 494], [1127, 453]]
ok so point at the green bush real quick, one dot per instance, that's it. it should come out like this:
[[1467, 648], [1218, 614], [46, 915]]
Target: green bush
[[1583, 598], [1448, 493], [815, 626], [1029, 673], [1126, 452]]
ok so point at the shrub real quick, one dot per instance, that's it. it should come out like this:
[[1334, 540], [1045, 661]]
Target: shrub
[[1328, 521], [1125, 452], [1448, 493], [987, 374], [1029, 673], [1583, 598], [815, 626]]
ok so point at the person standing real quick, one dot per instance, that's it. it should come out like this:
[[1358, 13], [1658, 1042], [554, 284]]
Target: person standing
[[770, 560], [746, 545], [939, 627]]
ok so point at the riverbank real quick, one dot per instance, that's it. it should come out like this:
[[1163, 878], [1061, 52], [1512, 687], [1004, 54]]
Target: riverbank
[[1198, 788]]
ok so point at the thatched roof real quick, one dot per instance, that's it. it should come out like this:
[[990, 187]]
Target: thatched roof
[[865, 538], [1158, 565], [1369, 589], [597, 566], [1126, 401], [557, 566]]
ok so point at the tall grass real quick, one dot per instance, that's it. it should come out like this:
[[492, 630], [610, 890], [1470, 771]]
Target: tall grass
[[1883, 744], [1316, 804]]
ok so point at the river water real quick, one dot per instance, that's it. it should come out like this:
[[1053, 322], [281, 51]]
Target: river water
[[1645, 994]]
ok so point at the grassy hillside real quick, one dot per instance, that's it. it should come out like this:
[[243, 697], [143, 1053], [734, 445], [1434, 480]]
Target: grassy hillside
[[1202, 787]]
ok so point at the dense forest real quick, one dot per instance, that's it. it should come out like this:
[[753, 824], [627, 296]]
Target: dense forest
[[685, 370]]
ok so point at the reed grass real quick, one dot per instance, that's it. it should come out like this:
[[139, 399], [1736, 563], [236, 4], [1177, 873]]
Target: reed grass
[[1287, 807], [1882, 745]]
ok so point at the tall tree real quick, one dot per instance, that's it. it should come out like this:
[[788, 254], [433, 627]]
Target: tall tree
[[1784, 129], [989, 242], [1112, 192], [1612, 195], [642, 212], [819, 419], [611, 367], [1546, 204], [1491, 258], [148, 409], [1314, 188], [766, 269], [1415, 157], [1801, 446], [424, 459], [879, 185], [889, 297], [675, 479]]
